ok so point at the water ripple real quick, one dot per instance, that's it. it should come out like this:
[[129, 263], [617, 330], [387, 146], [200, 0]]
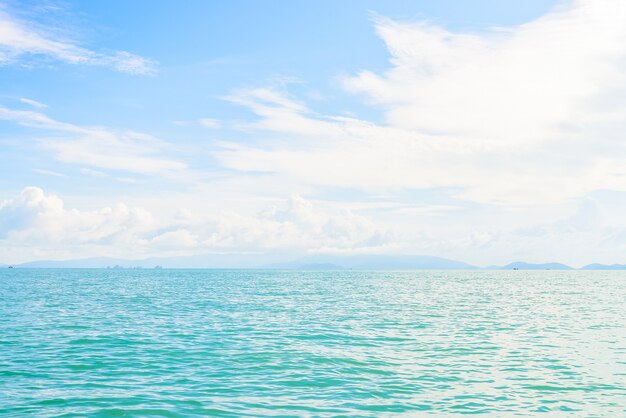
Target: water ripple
[[178, 343]]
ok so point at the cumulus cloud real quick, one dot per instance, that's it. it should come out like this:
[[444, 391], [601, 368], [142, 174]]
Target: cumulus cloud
[[98, 146], [35, 218], [295, 225], [42, 224], [21, 40], [525, 115], [341, 231]]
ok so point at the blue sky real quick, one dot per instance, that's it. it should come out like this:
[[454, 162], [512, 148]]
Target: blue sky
[[487, 131]]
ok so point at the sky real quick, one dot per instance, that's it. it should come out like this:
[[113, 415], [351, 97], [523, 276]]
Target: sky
[[487, 131]]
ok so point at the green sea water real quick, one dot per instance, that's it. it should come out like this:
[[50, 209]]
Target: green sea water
[[180, 343]]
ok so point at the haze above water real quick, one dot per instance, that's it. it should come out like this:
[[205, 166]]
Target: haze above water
[[293, 343]]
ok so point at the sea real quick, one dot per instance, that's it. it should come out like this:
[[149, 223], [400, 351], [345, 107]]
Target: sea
[[255, 343]]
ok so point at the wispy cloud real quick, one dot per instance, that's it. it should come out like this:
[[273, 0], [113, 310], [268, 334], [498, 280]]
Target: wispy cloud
[[21, 40], [93, 173], [49, 172], [209, 123], [33, 103], [98, 147]]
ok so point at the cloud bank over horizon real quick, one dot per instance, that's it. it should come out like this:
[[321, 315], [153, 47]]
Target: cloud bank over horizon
[[487, 146], [35, 224]]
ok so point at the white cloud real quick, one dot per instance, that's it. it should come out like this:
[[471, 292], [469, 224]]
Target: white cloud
[[36, 225], [39, 223], [581, 238], [126, 62], [49, 172], [98, 146], [516, 85], [33, 103], [520, 122], [209, 123], [527, 115], [35, 218], [21, 40], [92, 173]]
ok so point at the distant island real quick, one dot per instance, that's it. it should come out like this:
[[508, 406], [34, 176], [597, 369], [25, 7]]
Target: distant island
[[315, 262]]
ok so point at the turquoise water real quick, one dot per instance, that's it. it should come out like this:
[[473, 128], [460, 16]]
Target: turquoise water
[[184, 343]]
